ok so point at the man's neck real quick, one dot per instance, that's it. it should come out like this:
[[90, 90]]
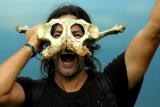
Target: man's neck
[[71, 84]]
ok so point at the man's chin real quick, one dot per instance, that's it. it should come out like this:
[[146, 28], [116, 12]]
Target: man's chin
[[68, 73]]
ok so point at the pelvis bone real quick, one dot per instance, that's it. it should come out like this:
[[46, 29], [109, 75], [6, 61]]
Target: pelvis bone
[[66, 40]]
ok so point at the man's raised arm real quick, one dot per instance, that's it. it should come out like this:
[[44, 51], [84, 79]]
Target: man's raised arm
[[143, 47]]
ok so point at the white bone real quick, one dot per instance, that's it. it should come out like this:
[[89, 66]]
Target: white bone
[[22, 29], [67, 40]]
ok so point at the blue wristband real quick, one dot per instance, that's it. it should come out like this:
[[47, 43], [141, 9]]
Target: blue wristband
[[33, 49]]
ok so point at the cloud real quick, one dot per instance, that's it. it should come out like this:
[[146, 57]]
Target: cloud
[[140, 7], [24, 12], [33, 12]]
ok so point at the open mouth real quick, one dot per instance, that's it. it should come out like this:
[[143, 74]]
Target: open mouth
[[67, 56]]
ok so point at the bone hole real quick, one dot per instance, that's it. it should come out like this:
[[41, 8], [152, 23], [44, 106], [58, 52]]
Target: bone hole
[[77, 31], [56, 30]]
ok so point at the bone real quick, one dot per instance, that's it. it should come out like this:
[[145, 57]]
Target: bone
[[22, 29], [67, 39], [114, 30]]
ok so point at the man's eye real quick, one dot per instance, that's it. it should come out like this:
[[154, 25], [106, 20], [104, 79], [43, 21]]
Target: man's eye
[[77, 36], [56, 35]]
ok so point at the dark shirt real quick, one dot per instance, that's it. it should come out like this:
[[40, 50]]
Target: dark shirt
[[44, 93]]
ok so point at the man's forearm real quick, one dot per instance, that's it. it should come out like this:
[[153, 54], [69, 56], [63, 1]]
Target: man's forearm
[[10, 69]]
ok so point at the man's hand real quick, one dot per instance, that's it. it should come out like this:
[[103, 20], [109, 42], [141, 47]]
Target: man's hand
[[32, 37], [153, 25]]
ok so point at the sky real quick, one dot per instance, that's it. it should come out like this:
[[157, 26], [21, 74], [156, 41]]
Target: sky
[[104, 14]]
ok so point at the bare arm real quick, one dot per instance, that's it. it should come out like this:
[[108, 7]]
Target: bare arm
[[11, 93], [142, 48]]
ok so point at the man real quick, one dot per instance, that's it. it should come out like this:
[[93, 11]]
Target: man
[[69, 83]]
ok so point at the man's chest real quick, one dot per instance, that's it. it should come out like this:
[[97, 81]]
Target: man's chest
[[90, 97]]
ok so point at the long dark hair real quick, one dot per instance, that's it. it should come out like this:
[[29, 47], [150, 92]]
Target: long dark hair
[[91, 62]]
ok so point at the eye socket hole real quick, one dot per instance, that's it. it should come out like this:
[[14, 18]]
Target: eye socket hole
[[56, 30], [77, 31]]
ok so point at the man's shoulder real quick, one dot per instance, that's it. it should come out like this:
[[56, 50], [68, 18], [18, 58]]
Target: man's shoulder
[[29, 82]]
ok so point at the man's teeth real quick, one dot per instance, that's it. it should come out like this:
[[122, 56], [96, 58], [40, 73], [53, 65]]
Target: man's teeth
[[67, 52], [66, 57], [64, 53], [66, 63]]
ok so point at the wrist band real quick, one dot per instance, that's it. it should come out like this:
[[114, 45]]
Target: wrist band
[[33, 49]]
